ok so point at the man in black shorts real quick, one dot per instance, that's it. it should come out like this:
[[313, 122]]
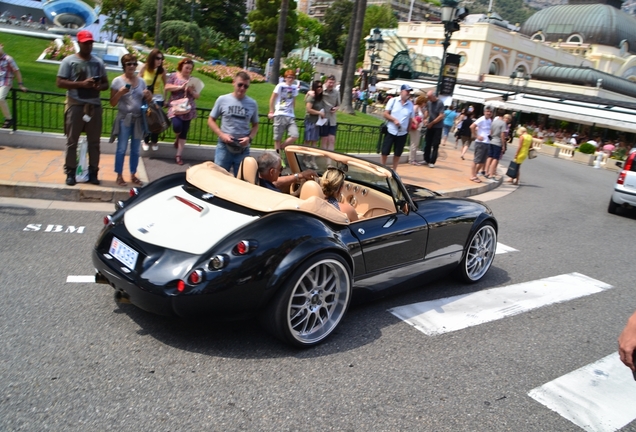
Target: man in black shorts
[[398, 112]]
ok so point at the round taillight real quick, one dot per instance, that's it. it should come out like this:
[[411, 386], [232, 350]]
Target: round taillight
[[180, 286], [243, 247], [108, 220], [133, 192], [218, 262], [195, 277]]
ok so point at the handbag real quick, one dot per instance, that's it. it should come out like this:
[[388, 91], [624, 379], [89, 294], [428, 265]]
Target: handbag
[[513, 169], [156, 120], [532, 153], [415, 122], [179, 107]]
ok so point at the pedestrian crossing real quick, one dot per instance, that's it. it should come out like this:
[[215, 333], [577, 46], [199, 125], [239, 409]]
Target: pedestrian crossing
[[599, 397]]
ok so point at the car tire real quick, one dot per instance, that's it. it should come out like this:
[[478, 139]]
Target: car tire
[[612, 207], [311, 303], [479, 253]]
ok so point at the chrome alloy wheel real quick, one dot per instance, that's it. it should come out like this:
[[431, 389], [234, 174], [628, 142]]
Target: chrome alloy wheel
[[481, 252], [318, 301]]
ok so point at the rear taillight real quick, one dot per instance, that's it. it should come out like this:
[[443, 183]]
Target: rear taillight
[[621, 177], [133, 192], [244, 247], [180, 286], [629, 162], [108, 220], [196, 277]]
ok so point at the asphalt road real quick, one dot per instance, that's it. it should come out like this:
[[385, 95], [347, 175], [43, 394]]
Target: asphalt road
[[72, 359]]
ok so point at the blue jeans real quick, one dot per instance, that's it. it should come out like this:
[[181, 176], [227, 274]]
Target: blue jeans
[[125, 133], [226, 159]]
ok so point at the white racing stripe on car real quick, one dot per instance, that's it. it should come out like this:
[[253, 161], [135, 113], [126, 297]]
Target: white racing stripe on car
[[455, 313], [598, 397], [502, 249], [80, 279]]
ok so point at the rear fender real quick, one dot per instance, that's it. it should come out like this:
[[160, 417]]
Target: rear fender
[[302, 252]]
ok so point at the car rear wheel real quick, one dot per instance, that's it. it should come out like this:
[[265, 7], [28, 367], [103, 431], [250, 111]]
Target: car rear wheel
[[479, 253], [612, 207], [312, 302]]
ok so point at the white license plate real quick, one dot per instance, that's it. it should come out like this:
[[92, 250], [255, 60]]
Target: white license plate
[[123, 253]]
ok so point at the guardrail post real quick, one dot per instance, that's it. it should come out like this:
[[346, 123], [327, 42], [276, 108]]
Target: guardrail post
[[14, 109]]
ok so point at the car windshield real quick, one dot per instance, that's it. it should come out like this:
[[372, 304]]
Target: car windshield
[[358, 175]]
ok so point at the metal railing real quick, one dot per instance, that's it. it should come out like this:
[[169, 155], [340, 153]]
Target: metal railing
[[44, 112]]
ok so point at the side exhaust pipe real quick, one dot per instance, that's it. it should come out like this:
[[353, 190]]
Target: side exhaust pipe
[[100, 279], [122, 297]]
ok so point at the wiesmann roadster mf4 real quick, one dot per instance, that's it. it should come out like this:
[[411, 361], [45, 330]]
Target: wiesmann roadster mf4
[[206, 243]]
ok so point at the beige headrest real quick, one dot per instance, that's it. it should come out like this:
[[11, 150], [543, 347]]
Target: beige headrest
[[248, 170], [309, 189]]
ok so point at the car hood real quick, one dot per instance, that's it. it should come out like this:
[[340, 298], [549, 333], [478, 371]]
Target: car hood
[[176, 220]]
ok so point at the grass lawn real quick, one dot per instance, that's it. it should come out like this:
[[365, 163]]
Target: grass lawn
[[41, 77]]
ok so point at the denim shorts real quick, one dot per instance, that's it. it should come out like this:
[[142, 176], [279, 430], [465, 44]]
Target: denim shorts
[[228, 160]]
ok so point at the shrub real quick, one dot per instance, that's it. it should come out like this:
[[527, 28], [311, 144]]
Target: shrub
[[138, 37], [52, 52], [587, 148]]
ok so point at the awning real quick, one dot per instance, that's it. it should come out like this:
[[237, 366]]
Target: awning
[[622, 119]]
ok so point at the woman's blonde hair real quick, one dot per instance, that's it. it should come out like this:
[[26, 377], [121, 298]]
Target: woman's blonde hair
[[421, 100], [332, 180], [521, 131]]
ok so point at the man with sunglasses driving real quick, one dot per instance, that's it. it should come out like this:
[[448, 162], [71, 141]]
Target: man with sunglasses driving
[[239, 123]]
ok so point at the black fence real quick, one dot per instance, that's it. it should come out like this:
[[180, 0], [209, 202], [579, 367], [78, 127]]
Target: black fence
[[44, 112]]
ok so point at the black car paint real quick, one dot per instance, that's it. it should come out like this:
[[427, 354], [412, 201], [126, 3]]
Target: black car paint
[[382, 253]]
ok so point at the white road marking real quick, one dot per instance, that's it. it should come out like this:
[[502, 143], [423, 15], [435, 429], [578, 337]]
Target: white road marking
[[455, 313], [80, 279], [598, 397], [502, 248]]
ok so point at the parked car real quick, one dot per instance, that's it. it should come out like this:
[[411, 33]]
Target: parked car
[[625, 188], [206, 243], [303, 87], [215, 63]]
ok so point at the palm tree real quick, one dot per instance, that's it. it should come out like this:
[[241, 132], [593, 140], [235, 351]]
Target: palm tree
[[351, 55], [280, 36]]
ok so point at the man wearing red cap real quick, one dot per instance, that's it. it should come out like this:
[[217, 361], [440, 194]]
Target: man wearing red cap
[[83, 75]]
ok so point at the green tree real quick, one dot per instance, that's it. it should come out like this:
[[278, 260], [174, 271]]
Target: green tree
[[309, 31], [337, 21], [376, 16], [180, 34], [264, 22]]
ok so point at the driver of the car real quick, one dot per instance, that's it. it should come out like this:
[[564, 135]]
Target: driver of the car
[[269, 169]]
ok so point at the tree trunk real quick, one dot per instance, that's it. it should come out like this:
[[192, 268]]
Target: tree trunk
[[280, 36], [347, 51], [158, 24], [355, 32]]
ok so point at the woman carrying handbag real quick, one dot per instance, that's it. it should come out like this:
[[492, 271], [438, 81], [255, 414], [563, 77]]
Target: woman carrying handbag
[[525, 142], [154, 75]]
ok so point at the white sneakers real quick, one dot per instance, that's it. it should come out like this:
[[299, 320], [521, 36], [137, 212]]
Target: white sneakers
[[155, 147], [431, 165], [145, 147]]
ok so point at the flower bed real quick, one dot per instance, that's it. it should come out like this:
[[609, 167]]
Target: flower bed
[[226, 73]]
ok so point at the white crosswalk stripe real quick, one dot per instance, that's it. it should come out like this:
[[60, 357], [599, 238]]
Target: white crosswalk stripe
[[502, 248], [80, 279], [458, 312], [599, 397]]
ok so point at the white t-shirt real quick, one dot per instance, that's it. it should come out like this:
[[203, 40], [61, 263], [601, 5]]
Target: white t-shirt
[[483, 128], [285, 100]]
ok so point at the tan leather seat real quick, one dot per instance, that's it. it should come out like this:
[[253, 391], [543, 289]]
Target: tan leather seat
[[311, 188], [248, 170]]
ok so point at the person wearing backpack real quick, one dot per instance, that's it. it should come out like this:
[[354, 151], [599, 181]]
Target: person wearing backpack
[[127, 93], [154, 75]]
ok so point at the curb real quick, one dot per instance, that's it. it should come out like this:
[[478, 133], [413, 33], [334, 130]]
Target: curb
[[80, 192]]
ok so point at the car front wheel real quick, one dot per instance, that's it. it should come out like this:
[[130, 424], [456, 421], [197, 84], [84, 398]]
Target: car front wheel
[[479, 253], [312, 302]]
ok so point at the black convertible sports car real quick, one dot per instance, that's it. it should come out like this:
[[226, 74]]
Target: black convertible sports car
[[207, 243]]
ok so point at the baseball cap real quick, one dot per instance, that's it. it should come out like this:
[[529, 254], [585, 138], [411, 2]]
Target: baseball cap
[[406, 87], [289, 73], [84, 36]]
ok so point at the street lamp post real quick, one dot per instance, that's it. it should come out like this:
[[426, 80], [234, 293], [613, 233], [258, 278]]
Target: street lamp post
[[313, 59], [375, 43], [120, 20], [247, 36], [451, 16]]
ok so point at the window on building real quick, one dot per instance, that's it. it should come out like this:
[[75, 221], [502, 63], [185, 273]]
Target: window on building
[[575, 38]]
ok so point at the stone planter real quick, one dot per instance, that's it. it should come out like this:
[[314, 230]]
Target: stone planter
[[582, 158], [549, 150], [611, 165]]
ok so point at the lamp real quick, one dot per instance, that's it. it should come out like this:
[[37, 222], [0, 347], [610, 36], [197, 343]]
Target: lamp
[[375, 43], [246, 36], [451, 16]]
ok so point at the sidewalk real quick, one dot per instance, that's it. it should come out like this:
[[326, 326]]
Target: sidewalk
[[38, 172]]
